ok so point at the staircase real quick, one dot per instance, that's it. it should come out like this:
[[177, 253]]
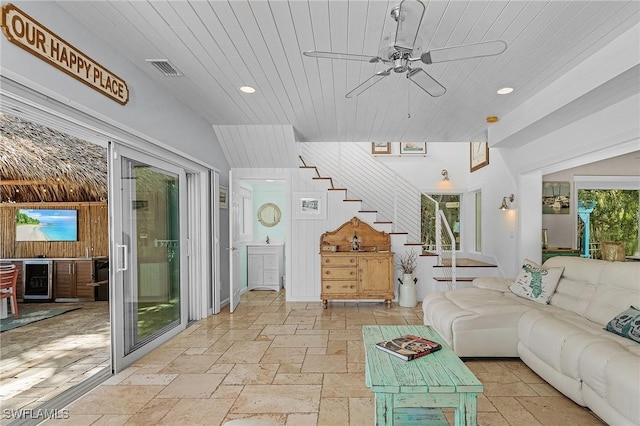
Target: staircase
[[380, 189], [437, 271]]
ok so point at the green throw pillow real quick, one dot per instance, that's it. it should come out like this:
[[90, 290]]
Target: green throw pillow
[[626, 324]]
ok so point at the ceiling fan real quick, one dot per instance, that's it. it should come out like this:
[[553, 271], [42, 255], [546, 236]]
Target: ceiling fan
[[400, 49]]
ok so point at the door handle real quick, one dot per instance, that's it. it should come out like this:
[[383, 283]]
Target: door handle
[[124, 260]]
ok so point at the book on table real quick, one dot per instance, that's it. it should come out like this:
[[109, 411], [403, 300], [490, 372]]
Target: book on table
[[409, 347]]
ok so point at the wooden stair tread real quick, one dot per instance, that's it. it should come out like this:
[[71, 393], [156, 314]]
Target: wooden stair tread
[[448, 279], [428, 253], [464, 262]]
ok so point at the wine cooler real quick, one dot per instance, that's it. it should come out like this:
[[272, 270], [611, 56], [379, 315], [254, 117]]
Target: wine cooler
[[38, 280]]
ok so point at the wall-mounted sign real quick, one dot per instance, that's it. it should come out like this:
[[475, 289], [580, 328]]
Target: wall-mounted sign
[[24, 31]]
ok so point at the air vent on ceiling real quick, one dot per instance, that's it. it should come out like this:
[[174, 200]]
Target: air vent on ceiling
[[165, 67]]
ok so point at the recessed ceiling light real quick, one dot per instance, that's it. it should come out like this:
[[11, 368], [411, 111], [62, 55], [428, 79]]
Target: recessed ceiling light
[[505, 90], [247, 89]]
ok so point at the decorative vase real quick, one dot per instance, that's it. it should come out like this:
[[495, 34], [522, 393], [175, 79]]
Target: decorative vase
[[408, 294]]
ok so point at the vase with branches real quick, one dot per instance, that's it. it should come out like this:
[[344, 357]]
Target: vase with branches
[[408, 262]]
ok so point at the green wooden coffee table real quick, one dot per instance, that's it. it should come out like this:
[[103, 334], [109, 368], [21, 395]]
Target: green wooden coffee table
[[408, 391]]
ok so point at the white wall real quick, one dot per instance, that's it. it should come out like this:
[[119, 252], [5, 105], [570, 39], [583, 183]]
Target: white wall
[[424, 171]]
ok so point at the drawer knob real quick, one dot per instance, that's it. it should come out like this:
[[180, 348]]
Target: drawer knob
[[351, 273], [351, 286], [328, 287], [351, 260], [327, 272]]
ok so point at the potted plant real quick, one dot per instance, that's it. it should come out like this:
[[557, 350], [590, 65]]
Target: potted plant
[[407, 262]]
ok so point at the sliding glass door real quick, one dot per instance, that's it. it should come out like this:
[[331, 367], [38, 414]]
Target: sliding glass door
[[148, 210]]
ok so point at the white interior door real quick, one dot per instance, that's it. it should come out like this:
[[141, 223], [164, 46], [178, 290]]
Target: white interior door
[[235, 281]]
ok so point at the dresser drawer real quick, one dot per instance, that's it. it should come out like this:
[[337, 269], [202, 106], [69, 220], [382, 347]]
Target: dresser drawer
[[339, 261], [339, 273], [339, 286]]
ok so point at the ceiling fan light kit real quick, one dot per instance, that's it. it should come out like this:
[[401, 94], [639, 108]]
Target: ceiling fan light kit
[[400, 49]]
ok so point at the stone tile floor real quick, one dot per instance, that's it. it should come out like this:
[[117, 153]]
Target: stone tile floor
[[295, 364], [44, 358]]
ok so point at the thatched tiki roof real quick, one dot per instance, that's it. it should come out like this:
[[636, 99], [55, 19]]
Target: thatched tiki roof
[[41, 164]]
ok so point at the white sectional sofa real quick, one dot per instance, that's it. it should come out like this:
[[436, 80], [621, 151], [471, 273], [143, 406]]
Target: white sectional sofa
[[564, 341]]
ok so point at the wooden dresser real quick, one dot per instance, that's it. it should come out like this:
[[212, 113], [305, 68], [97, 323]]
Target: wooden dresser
[[347, 273]]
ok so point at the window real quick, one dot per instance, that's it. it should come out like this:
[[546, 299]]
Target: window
[[614, 219], [478, 221], [450, 206]]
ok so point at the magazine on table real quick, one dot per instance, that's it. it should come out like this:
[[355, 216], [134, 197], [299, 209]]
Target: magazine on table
[[409, 347]]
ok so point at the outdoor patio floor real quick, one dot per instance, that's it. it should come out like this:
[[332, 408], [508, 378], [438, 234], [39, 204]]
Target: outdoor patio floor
[[44, 358]]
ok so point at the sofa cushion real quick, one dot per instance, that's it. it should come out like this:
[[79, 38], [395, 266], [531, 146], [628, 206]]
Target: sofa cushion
[[475, 321], [578, 282], [612, 373], [556, 338], [535, 282], [618, 287], [626, 324], [493, 283]]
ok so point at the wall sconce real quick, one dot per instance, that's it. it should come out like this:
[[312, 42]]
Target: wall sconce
[[445, 175], [506, 202]]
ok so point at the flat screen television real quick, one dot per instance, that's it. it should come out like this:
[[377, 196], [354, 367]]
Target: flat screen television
[[46, 225]]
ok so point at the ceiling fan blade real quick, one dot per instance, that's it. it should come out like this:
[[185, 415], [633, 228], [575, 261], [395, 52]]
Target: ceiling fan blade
[[465, 51], [368, 83], [345, 56], [409, 17], [426, 82]]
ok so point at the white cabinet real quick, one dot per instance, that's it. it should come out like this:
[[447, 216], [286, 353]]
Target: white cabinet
[[265, 264]]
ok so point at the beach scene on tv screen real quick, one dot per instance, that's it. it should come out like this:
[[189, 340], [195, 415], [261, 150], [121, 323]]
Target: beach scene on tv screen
[[46, 225]]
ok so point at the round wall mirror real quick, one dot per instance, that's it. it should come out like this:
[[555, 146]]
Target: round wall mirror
[[269, 214]]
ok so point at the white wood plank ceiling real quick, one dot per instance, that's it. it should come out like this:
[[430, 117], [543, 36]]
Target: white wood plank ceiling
[[219, 46]]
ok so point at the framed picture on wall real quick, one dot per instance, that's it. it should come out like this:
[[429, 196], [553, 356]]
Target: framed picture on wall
[[556, 197], [310, 205], [224, 197], [381, 147], [413, 147], [478, 155]]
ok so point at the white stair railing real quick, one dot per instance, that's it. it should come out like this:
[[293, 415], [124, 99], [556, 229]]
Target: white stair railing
[[439, 238], [447, 253]]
